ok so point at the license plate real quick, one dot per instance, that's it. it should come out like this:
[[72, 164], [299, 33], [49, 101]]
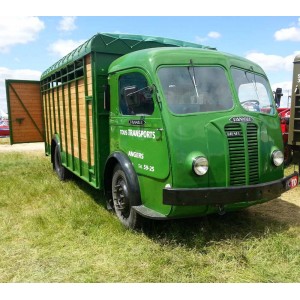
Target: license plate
[[292, 182]]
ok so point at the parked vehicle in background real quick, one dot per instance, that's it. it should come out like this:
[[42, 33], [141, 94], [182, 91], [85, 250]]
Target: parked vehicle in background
[[290, 118], [4, 128], [284, 115], [294, 120], [168, 129]]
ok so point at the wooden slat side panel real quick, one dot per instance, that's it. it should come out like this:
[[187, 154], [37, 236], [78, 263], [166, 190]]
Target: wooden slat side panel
[[90, 112], [62, 118], [70, 115], [74, 118], [56, 110], [88, 68], [67, 119], [46, 118], [49, 115], [89, 153], [82, 119], [26, 115], [50, 97]]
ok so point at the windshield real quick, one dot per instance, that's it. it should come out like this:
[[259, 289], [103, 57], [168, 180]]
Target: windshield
[[253, 92], [190, 89]]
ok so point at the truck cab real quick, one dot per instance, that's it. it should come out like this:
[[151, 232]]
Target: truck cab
[[199, 129]]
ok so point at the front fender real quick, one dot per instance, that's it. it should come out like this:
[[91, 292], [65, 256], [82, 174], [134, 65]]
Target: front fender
[[123, 160]]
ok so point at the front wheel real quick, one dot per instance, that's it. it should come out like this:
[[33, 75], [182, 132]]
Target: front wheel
[[121, 192]]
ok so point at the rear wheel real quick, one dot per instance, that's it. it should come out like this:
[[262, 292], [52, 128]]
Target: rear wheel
[[121, 192], [60, 170]]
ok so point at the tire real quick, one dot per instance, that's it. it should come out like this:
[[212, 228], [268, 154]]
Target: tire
[[121, 192], [60, 170]]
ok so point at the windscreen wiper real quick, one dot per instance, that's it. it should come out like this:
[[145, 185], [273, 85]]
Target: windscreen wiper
[[193, 77]]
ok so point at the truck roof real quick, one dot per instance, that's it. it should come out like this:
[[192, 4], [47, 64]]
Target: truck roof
[[152, 58], [119, 44]]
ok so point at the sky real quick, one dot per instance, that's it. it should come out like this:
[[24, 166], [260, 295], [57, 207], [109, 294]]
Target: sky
[[30, 44]]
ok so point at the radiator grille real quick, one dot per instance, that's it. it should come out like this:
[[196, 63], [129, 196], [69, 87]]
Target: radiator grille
[[242, 146], [252, 153], [236, 154]]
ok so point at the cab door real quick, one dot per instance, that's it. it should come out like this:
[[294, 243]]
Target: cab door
[[25, 111], [137, 128]]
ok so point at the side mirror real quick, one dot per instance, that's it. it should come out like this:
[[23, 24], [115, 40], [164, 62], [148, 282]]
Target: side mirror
[[277, 96]]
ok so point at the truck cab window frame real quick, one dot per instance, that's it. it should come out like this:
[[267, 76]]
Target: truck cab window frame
[[253, 91], [135, 96]]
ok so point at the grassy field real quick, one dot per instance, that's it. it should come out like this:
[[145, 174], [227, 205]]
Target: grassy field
[[4, 141], [61, 232]]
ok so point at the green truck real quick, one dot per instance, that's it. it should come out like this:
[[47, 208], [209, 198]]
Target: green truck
[[167, 129]]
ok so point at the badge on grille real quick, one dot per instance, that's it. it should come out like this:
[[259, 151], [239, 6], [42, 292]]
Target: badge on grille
[[233, 133], [242, 119]]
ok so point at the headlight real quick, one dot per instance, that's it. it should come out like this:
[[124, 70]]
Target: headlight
[[277, 157], [200, 165]]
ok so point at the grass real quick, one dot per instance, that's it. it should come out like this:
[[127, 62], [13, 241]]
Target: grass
[[4, 141], [54, 231]]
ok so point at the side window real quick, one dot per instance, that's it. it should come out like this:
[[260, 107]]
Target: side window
[[135, 97]]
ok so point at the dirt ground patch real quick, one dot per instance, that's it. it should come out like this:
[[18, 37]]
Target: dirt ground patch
[[23, 147], [285, 209]]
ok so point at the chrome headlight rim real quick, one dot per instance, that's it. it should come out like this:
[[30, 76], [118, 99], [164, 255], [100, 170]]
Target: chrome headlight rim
[[277, 158], [200, 165]]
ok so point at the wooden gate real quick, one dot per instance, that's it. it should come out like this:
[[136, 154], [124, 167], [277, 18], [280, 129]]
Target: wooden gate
[[25, 111]]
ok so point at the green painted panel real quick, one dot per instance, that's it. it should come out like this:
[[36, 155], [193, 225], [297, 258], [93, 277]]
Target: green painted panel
[[80, 168]]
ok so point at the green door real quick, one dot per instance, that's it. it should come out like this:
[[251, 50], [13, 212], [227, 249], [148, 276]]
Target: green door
[[136, 125]]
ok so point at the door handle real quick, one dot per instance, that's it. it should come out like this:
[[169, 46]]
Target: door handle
[[158, 137]]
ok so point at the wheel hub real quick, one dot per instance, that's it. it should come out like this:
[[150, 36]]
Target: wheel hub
[[121, 200]]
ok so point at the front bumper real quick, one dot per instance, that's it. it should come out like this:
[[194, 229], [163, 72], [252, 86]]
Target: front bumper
[[227, 195]]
